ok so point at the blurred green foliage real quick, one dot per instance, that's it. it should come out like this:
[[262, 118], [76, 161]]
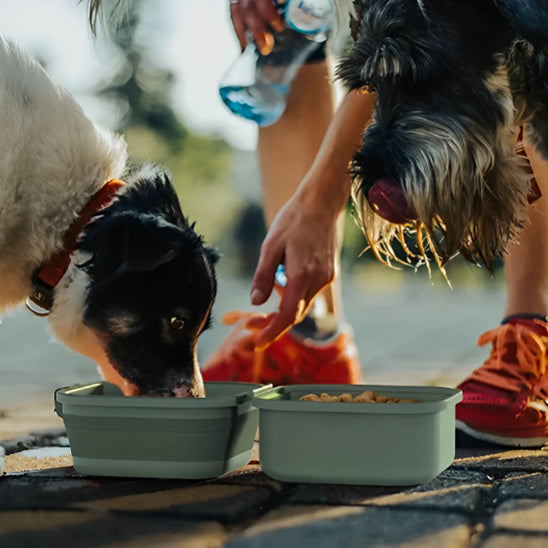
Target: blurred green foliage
[[201, 171], [139, 86], [201, 166]]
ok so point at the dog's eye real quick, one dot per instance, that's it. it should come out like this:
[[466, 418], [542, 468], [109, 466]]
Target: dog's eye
[[177, 323]]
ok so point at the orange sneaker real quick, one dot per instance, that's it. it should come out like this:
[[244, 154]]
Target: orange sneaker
[[290, 359], [505, 400]]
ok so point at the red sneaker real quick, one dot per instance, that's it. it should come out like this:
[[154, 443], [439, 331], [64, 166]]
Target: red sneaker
[[288, 360], [505, 400]]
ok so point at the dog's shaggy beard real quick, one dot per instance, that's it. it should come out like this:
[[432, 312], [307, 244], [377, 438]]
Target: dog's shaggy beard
[[459, 173]]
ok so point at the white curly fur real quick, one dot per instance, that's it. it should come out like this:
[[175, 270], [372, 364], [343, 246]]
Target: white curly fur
[[52, 160]]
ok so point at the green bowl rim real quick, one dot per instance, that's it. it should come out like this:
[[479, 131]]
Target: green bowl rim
[[70, 395], [271, 399]]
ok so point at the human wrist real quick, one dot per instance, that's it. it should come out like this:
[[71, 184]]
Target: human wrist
[[326, 196]]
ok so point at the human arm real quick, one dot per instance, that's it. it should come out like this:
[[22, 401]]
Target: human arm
[[302, 236]]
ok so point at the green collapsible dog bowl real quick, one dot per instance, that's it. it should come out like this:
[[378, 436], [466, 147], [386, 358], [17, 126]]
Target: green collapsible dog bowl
[[185, 438], [357, 443]]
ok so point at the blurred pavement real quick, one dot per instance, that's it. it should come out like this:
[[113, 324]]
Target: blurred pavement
[[408, 331]]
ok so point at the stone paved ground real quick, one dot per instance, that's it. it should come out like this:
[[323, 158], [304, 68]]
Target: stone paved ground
[[488, 498], [408, 333]]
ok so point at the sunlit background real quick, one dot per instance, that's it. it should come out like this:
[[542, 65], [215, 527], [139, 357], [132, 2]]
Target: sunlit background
[[192, 39]]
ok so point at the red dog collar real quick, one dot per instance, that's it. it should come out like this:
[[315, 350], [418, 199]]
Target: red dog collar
[[46, 279]]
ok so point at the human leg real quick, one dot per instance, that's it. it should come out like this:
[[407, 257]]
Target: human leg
[[286, 150], [527, 264], [504, 400]]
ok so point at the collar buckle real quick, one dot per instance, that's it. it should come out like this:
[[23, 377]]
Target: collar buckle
[[40, 301]]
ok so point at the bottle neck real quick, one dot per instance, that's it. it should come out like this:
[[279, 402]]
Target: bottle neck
[[312, 18]]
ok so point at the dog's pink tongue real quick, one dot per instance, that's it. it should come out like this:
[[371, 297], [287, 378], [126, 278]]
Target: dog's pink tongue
[[387, 199]]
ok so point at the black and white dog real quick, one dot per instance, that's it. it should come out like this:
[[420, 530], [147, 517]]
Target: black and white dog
[[106, 251], [455, 80]]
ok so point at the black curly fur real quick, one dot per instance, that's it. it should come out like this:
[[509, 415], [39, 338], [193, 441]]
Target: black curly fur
[[453, 68], [146, 266]]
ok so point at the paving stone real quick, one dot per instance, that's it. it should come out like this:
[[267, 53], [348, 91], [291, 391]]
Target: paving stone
[[87, 529], [499, 462], [224, 503], [515, 541], [352, 495], [348, 526], [523, 516], [455, 490], [473, 448], [524, 485], [65, 488]]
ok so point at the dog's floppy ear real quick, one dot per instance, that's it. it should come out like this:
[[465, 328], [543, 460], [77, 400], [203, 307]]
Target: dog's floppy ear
[[129, 243]]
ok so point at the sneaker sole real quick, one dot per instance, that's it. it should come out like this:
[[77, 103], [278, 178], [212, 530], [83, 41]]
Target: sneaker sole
[[501, 440]]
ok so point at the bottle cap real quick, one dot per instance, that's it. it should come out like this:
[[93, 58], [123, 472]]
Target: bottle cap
[[309, 16]]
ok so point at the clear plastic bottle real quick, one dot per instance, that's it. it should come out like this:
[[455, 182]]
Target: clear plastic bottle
[[310, 17], [256, 86]]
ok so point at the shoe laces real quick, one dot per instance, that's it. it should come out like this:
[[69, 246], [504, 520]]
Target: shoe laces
[[518, 359], [246, 327]]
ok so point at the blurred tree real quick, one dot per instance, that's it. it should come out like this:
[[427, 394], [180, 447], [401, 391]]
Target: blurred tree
[[140, 85], [201, 166], [249, 232]]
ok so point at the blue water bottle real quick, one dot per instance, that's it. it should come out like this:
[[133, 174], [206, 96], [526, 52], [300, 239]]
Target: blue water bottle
[[256, 86]]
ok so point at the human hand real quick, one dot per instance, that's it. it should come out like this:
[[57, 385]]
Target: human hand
[[259, 17], [302, 237]]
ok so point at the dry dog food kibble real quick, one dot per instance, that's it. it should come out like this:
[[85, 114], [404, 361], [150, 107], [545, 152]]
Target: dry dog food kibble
[[365, 397]]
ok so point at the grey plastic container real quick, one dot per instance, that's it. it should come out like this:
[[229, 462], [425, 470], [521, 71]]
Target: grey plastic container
[[114, 435], [357, 443]]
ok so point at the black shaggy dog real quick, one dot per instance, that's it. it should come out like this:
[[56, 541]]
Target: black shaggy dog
[[106, 252], [455, 80]]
